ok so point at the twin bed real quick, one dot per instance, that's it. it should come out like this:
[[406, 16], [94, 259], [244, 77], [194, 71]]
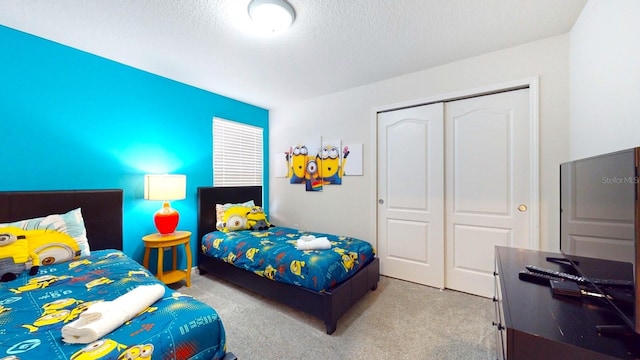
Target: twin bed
[[35, 308], [350, 278]]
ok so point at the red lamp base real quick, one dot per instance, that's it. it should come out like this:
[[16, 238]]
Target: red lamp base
[[166, 219]]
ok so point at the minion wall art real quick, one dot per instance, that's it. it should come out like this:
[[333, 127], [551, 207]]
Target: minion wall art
[[324, 163]]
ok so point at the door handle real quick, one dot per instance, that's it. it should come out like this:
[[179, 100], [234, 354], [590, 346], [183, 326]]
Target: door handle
[[380, 201], [522, 207]]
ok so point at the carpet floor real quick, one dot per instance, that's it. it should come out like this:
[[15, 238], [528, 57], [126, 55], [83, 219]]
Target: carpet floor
[[399, 320]]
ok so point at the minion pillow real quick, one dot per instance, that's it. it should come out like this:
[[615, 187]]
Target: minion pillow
[[233, 217]]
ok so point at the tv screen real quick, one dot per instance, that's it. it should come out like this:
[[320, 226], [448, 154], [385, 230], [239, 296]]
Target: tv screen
[[599, 226]]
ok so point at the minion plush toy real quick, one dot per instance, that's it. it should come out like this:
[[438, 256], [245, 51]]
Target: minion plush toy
[[256, 219], [15, 256]]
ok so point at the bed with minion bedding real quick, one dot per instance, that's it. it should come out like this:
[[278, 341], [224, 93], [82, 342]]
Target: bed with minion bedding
[[324, 281], [69, 292]]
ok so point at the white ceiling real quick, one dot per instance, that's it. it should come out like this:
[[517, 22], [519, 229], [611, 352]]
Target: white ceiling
[[333, 45]]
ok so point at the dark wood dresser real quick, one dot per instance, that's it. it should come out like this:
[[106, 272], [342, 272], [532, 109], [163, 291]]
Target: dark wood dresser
[[531, 323]]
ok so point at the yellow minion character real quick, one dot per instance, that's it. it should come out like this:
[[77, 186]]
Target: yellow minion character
[[39, 282], [297, 162], [98, 350], [251, 253], [75, 264], [313, 175], [99, 281], [348, 260], [15, 255], [53, 247], [332, 167], [296, 267], [270, 272], [231, 257], [50, 318], [59, 304], [256, 219], [137, 352], [235, 218]]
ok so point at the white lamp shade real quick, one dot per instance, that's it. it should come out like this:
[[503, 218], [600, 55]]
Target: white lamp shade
[[271, 15], [165, 187]]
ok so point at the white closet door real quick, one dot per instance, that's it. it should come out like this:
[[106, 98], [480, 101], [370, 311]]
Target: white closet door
[[410, 189], [488, 190]]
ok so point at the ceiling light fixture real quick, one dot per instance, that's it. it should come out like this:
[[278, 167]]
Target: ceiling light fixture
[[272, 15]]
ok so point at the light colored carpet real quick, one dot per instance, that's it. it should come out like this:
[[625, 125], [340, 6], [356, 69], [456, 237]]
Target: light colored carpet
[[400, 320]]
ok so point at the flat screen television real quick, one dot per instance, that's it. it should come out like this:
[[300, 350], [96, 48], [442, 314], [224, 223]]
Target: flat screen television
[[600, 227]]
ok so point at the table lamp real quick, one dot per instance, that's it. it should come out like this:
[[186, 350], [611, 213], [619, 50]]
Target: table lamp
[[165, 187]]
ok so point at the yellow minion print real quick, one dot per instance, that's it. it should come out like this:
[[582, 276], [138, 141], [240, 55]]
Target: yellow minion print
[[99, 281], [259, 234], [59, 304], [313, 174], [39, 282], [75, 264], [230, 258], [251, 253], [137, 352], [216, 243], [296, 267], [297, 162], [51, 318], [332, 167], [98, 350], [270, 272], [348, 260]]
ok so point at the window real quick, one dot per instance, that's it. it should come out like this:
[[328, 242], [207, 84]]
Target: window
[[237, 154]]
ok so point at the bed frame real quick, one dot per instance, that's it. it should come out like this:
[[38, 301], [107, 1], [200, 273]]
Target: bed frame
[[328, 305], [101, 211]]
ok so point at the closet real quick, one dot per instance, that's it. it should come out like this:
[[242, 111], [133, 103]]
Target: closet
[[454, 181]]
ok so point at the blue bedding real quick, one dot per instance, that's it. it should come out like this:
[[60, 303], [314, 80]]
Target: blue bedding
[[272, 253], [33, 310]]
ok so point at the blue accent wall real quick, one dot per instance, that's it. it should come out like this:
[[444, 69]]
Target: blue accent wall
[[73, 120]]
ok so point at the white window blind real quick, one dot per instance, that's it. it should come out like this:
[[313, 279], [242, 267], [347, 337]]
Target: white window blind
[[237, 154]]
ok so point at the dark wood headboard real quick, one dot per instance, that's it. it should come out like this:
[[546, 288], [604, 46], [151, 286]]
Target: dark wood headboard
[[101, 211], [208, 197]]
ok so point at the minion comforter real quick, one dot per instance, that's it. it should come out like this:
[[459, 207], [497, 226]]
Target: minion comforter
[[272, 253], [33, 310]]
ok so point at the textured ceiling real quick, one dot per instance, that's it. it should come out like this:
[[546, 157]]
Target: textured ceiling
[[333, 44]]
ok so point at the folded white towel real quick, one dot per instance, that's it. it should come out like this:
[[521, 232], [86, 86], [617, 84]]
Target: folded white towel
[[320, 243], [307, 237], [103, 317]]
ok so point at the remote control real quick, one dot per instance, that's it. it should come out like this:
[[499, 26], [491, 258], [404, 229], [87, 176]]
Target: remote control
[[536, 278], [580, 279], [557, 274]]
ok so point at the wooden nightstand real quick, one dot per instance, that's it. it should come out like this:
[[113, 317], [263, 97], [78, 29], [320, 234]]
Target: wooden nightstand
[[157, 241]]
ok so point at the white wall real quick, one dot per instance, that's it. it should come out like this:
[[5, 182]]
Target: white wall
[[605, 78], [350, 209]]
